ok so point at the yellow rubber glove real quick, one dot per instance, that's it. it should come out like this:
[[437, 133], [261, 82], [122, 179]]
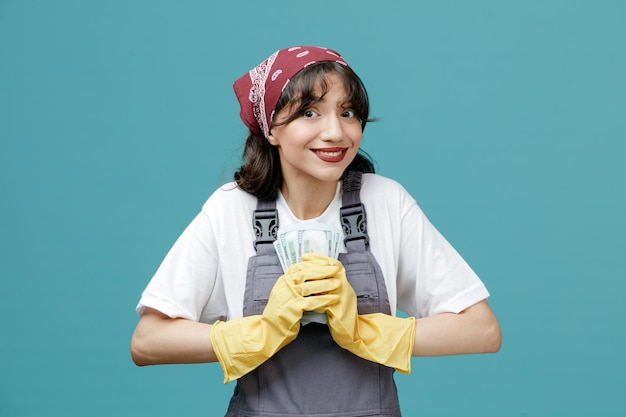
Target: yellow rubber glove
[[241, 345], [377, 337]]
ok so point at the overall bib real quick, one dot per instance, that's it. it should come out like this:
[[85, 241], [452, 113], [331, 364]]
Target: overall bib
[[313, 376]]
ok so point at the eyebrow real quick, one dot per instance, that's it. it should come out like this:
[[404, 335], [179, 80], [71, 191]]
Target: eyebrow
[[346, 101]]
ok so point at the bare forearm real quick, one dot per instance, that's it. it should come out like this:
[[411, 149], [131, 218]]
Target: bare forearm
[[474, 330], [159, 339]]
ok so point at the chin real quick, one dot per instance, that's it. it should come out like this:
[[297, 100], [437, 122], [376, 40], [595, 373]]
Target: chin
[[331, 176]]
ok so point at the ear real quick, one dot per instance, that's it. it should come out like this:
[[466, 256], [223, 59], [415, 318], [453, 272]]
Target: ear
[[272, 139]]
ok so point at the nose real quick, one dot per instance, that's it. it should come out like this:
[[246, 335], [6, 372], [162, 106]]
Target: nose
[[332, 128]]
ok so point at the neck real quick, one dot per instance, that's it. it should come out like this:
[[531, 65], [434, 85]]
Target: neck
[[308, 201]]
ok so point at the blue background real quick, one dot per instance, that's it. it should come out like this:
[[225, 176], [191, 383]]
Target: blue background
[[506, 120]]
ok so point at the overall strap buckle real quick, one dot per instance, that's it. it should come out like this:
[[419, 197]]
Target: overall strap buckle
[[353, 218], [265, 223], [354, 223]]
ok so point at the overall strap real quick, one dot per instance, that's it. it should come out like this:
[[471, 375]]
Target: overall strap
[[352, 212], [353, 219], [265, 224]]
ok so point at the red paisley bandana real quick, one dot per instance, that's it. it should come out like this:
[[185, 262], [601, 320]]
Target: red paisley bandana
[[258, 91]]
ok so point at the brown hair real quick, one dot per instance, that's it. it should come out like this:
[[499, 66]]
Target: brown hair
[[260, 173]]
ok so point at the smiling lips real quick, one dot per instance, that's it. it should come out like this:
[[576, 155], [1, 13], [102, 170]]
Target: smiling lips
[[330, 154]]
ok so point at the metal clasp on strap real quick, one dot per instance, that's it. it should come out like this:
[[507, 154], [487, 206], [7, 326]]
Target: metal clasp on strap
[[354, 222], [265, 224]]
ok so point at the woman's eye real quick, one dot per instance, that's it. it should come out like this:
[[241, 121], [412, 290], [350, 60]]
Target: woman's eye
[[349, 114], [309, 114]]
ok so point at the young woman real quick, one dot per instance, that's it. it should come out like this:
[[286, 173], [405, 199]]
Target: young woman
[[221, 294]]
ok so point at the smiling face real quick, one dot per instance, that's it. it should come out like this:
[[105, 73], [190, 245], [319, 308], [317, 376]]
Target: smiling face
[[318, 144]]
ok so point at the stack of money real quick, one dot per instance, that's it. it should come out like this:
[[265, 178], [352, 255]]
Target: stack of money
[[291, 243]]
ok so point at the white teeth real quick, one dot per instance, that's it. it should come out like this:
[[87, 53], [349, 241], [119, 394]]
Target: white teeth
[[337, 153]]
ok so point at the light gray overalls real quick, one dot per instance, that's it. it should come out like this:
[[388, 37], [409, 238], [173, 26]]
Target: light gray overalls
[[313, 376]]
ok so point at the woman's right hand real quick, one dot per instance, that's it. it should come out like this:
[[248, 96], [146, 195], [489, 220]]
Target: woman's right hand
[[241, 345]]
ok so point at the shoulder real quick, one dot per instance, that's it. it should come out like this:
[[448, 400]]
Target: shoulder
[[229, 200], [378, 182], [379, 190], [229, 194]]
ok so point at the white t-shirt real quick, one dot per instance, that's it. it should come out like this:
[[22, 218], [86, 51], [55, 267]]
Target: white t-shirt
[[203, 277]]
